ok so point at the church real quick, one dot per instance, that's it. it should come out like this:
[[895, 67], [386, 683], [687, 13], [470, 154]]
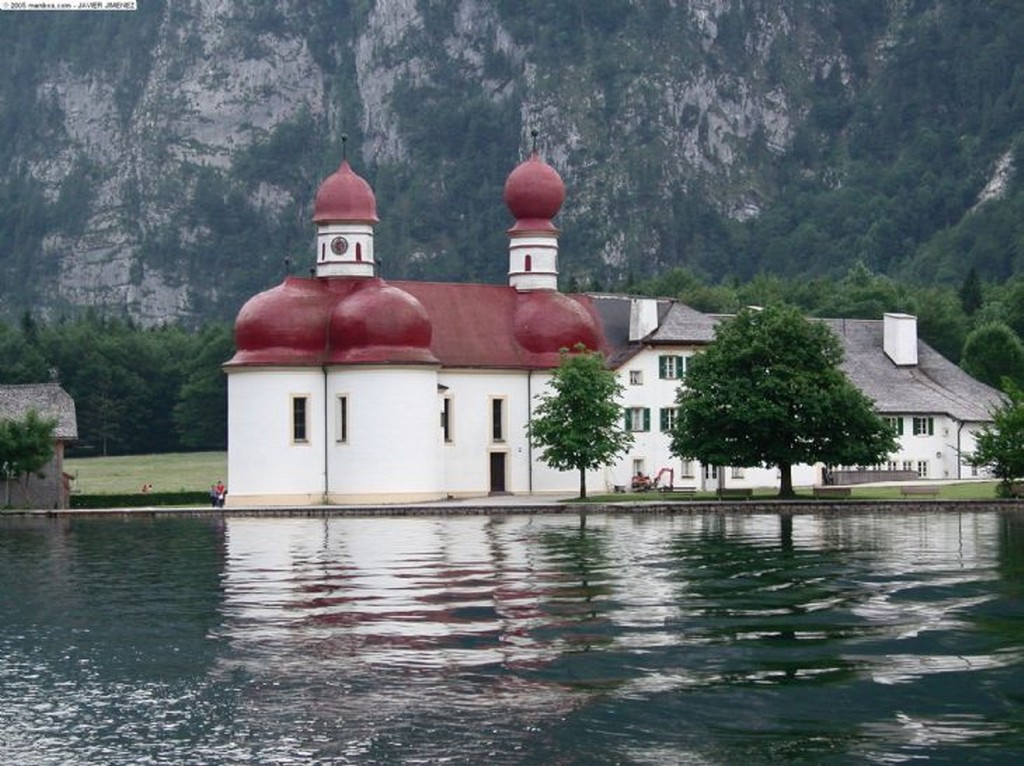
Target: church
[[346, 388]]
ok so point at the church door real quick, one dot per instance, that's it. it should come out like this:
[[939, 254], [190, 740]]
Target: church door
[[497, 472]]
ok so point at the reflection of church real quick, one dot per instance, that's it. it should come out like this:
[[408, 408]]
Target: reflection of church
[[347, 388]]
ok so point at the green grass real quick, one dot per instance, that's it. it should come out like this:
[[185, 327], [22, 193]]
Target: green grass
[[176, 472], [968, 490]]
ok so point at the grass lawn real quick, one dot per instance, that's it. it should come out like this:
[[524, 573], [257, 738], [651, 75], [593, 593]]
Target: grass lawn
[[968, 490], [176, 472]]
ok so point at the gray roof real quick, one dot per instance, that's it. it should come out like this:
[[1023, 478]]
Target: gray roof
[[47, 399], [685, 325], [933, 385]]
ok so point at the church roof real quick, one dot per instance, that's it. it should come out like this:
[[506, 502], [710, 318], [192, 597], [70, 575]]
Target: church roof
[[49, 400]]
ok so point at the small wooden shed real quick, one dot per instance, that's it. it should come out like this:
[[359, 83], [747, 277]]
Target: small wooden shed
[[49, 400]]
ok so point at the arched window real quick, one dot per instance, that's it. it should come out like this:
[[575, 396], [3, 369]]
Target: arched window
[[528, 263], [359, 251], [323, 251]]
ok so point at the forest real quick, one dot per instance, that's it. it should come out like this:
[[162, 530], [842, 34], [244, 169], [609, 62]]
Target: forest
[[144, 390]]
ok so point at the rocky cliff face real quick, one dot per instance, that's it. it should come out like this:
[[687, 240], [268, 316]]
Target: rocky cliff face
[[168, 161]]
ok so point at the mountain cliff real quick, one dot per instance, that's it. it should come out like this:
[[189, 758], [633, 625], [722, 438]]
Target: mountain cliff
[[161, 163]]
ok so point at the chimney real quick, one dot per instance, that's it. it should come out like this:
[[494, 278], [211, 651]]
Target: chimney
[[899, 333], [643, 318]]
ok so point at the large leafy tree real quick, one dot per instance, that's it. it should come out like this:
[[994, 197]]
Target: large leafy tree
[[1000, 445], [26, 446], [993, 352], [769, 391], [578, 423]]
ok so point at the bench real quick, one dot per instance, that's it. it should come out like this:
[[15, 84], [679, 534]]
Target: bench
[[734, 493], [831, 491], [919, 490], [679, 490], [1017, 490]]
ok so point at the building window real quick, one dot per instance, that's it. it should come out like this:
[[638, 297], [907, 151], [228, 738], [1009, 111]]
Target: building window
[[908, 465], [638, 467], [686, 469], [668, 417], [498, 420], [737, 472], [446, 419], [638, 419], [528, 263], [300, 419], [671, 367], [922, 469], [896, 424], [341, 428], [711, 472], [924, 426], [636, 377], [359, 252]]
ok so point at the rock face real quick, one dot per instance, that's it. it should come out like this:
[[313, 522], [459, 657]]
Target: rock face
[[167, 158]]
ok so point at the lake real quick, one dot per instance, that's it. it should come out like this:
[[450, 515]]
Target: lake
[[868, 637]]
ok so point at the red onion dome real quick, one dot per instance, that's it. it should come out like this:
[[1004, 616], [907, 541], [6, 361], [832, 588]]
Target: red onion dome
[[380, 323], [345, 196], [546, 321], [534, 194], [286, 324]]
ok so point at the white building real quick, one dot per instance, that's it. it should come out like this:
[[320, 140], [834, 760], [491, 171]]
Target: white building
[[347, 388]]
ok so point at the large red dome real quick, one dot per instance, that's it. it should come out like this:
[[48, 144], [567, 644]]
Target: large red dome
[[547, 321], [282, 325], [379, 323], [345, 196], [534, 194]]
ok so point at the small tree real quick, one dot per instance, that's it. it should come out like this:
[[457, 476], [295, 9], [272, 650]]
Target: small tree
[[25, 447], [769, 391], [579, 423], [1000, 446]]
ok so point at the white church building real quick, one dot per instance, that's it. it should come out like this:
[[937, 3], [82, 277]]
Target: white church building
[[349, 389]]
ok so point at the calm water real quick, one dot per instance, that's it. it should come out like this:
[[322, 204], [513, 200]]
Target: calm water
[[869, 638]]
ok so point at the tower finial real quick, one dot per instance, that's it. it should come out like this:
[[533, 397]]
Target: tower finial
[[533, 134], [344, 146]]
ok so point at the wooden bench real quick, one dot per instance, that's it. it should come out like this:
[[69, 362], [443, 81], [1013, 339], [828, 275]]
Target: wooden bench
[[678, 490], [734, 493], [919, 490], [831, 491]]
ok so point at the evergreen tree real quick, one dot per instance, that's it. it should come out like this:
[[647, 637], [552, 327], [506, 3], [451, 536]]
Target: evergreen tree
[[578, 424], [769, 391]]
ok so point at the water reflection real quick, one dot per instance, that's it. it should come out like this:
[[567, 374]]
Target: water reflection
[[521, 640]]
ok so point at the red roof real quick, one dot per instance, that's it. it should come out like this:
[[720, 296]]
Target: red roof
[[534, 194], [345, 196], [309, 322]]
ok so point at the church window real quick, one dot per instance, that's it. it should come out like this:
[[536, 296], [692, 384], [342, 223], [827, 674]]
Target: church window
[[359, 251], [342, 424], [446, 420], [498, 420], [300, 419], [528, 263]]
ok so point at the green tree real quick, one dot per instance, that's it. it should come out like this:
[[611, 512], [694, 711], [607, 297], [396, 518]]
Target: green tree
[[993, 352], [201, 413], [769, 391], [25, 447], [578, 424], [1000, 445]]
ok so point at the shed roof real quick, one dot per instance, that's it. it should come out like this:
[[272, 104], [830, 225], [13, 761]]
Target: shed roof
[[47, 399]]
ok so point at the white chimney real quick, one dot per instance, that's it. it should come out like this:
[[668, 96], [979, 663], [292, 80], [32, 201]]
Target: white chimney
[[900, 338], [643, 317]]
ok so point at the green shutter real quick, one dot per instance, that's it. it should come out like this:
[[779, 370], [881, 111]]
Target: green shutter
[[647, 418], [931, 426], [626, 420], [682, 366], [663, 414], [662, 363], [899, 426]]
